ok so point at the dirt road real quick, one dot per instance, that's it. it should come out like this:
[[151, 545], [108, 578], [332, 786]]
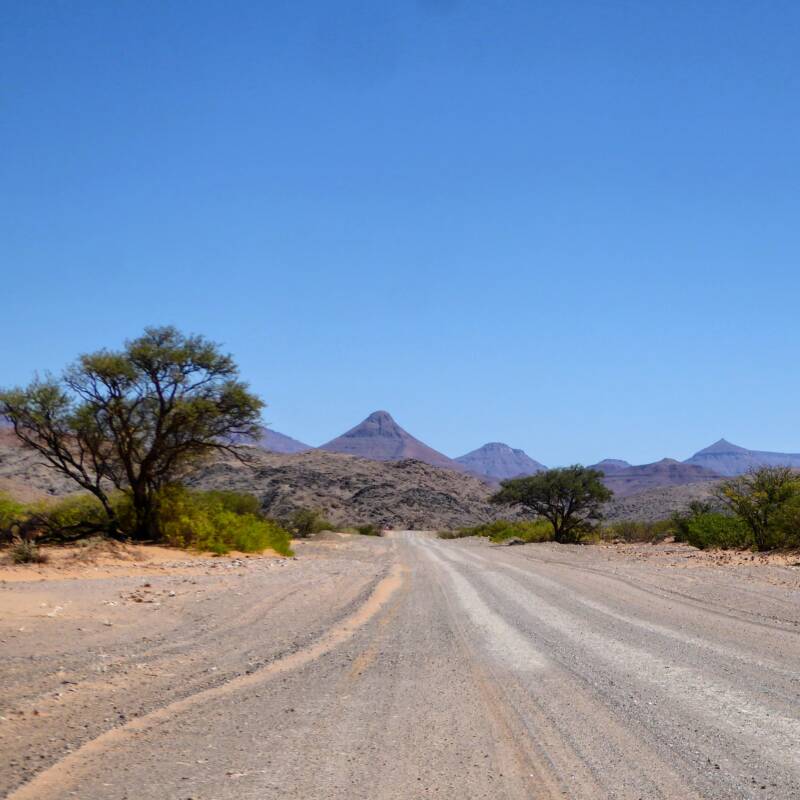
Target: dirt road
[[408, 667]]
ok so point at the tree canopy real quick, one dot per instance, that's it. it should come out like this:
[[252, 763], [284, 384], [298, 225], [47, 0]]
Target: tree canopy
[[570, 498], [759, 498], [136, 419]]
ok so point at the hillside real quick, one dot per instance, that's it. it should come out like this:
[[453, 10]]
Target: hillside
[[401, 494], [725, 458], [22, 473], [666, 472], [380, 438], [276, 442], [658, 503], [611, 466], [499, 461]]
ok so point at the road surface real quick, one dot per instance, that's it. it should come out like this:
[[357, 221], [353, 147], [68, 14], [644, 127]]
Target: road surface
[[411, 667]]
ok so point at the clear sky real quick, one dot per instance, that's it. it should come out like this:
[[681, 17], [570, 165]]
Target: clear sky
[[570, 226]]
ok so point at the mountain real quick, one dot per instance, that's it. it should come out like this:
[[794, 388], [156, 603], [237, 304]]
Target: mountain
[[276, 442], [730, 459], [667, 472], [611, 466], [380, 438], [499, 461]]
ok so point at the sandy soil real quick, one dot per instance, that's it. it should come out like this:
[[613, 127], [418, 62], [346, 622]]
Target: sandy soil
[[104, 559], [408, 667]]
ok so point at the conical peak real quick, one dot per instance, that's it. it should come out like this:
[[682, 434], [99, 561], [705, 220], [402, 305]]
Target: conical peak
[[381, 417]]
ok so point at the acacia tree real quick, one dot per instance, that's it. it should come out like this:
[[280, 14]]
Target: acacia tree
[[136, 419], [758, 498], [570, 498]]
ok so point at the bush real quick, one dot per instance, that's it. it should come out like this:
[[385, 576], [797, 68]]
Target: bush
[[786, 527], [24, 551], [307, 521], [72, 517], [502, 529], [681, 522], [12, 514], [218, 522], [759, 499], [635, 531], [718, 530], [369, 530]]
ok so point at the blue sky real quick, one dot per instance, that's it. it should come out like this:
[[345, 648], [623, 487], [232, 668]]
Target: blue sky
[[570, 226]]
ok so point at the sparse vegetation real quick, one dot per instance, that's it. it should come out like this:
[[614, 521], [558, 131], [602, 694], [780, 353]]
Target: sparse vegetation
[[24, 551], [306, 522], [569, 498], [638, 531], [215, 521], [503, 529], [763, 513], [218, 522], [762, 499], [715, 530], [12, 515], [136, 420], [369, 530]]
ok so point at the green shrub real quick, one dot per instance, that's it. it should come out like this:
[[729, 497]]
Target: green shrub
[[369, 530], [712, 530], [681, 521], [12, 514], [217, 522], [785, 531], [307, 521], [72, 516], [503, 529], [637, 531], [24, 551]]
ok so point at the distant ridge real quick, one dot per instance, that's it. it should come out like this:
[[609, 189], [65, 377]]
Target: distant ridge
[[610, 466], [667, 472], [499, 461], [380, 438], [276, 442], [729, 459], [273, 442]]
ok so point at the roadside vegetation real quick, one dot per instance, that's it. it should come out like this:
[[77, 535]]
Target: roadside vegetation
[[127, 427], [136, 421], [761, 512], [306, 522], [756, 511], [570, 499], [502, 530], [213, 521]]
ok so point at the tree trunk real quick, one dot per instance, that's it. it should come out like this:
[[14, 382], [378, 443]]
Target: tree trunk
[[144, 514]]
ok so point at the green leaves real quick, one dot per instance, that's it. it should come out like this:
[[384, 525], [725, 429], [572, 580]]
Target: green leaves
[[570, 498], [138, 418]]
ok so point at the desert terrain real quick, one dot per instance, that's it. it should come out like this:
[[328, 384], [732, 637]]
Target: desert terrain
[[401, 667]]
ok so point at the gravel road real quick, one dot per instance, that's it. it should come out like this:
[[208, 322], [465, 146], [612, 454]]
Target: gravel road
[[410, 667]]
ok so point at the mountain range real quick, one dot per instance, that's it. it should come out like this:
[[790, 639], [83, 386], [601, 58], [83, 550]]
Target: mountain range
[[728, 459], [380, 438]]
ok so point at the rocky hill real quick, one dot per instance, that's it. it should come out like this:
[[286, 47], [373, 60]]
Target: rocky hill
[[499, 462], [399, 494], [666, 472], [659, 503], [611, 466], [380, 438], [23, 475], [725, 458]]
